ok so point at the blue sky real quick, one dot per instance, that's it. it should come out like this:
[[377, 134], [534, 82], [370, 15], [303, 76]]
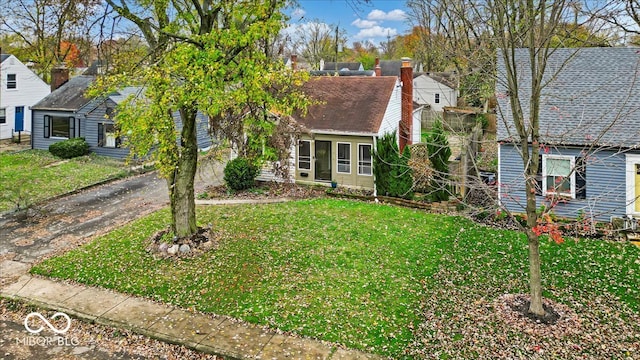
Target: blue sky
[[362, 22]]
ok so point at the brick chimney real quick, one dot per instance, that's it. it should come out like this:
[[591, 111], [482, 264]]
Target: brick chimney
[[377, 67], [406, 121], [294, 61], [59, 76]]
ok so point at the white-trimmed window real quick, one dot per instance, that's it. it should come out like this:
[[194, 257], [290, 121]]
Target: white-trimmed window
[[12, 82], [364, 159], [3, 115], [304, 155], [107, 136], [558, 177], [344, 158]]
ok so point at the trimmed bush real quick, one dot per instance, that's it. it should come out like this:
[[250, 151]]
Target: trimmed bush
[[393, 175], [71, 148], [240, 173]]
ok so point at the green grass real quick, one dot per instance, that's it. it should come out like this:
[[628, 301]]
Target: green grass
[[30, 176], [350, 272]]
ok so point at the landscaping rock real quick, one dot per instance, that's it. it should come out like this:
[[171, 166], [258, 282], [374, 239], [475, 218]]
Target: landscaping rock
[[163, 247], [173, 250], [184, 249]]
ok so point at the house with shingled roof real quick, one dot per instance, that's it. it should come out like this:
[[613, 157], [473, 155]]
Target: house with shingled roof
[[68, 113], [589, 163], [342, 128]]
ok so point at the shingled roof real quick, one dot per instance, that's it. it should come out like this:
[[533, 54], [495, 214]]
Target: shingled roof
[[68, 97], [349, 104], [353, 66], [592, 96], [4, 57]]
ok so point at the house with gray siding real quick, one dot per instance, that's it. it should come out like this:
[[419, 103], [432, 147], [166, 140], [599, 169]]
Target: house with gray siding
[[589, 163], [68, 113]]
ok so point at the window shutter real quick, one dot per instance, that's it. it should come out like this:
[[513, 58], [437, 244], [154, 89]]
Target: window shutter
[[72, 127], [581, 178], [47, 126], [539, 177], [100, 134]]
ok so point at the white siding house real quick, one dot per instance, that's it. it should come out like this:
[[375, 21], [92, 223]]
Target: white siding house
[[20, 88], [433, 91]]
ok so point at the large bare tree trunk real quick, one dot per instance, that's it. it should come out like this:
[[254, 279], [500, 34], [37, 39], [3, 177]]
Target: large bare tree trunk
[[535, 275], [530, 159], [181, 189]]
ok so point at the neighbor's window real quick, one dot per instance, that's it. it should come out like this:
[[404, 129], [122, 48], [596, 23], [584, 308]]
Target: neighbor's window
[[558, 175], [437, 99], [364, 159], [12, 83], [58, 127], [344, 158], [3, 116], [304, 155], [107, 136]]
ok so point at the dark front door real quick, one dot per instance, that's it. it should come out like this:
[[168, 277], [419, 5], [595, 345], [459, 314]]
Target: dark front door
[[323, 160], [19, 125]]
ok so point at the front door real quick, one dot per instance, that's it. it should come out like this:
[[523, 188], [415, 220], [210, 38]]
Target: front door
[[19, 118], [323, 160]]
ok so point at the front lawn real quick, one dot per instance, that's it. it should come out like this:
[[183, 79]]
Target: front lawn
[[374, 277], [30, 176]]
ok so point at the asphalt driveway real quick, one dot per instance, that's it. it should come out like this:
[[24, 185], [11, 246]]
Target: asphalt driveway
[[69, 221]]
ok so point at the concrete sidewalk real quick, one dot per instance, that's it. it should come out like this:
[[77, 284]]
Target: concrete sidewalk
[[207, 333]]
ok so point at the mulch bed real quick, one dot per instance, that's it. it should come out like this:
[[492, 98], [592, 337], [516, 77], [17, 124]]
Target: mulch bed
[[265, 190]]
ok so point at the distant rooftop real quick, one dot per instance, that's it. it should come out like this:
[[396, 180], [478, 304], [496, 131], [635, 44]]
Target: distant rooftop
[[352, 66], [342, 73]]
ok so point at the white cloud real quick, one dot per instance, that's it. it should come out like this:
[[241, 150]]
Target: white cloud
[[364, 24], [393, 15], [298, 13], [376, 31]]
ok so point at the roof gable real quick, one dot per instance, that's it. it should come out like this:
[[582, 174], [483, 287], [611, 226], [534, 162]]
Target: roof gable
[[446, 79], [4, 57], [349, 104], [592, 95]]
